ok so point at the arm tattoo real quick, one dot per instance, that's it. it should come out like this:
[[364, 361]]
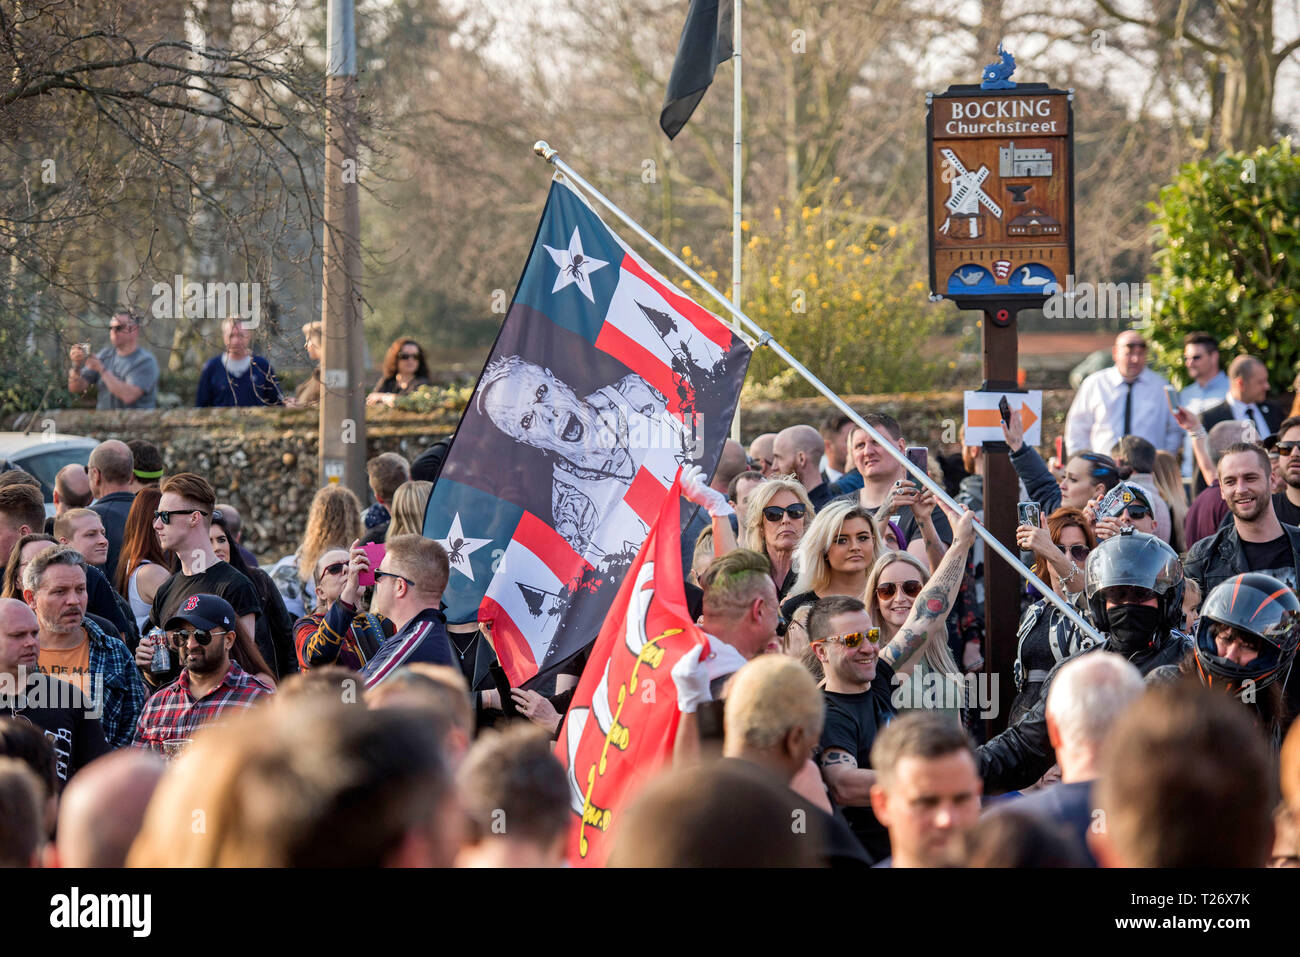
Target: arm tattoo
[[931, 607], [836, 756]]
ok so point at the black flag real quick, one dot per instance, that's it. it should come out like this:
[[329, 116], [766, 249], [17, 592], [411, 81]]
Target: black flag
[[705, 43]]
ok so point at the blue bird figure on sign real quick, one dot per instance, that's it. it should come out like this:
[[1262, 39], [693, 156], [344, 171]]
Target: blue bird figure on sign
[[997, 76]]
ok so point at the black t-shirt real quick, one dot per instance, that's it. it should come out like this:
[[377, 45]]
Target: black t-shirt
[[70, 723], [1287, 513], [221, 580], [852, 722], [1272, 558]]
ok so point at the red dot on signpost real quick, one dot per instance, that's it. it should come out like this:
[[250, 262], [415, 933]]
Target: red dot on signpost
[[1003, 315]]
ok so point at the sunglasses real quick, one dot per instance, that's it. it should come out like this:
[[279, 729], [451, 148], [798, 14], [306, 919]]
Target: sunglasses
[[856, 639], [408, 355], [177, 639], [773, 513], [379, 575], [1136, 511], [1286, 448], [332, 569], [887, 590], [1078, 552], [165, 515]]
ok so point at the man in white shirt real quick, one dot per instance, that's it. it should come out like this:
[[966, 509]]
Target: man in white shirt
[[1209, 385], [1126, 399]]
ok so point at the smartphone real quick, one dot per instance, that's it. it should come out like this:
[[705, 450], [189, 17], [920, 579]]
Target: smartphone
[[1171, 396], [1029, 513], [1060, 452], [1114, 501], [375, 552], [919, 456], [1004, 409]]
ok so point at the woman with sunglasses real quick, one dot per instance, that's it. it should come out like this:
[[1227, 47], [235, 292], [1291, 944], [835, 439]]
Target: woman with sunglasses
[[404, 371], [835, 555], [1087, 475], [1045, 636], [895, 581], [326, 636], [776, 520]]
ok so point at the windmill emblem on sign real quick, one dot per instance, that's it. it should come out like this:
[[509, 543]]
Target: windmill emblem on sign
[[966, 196]]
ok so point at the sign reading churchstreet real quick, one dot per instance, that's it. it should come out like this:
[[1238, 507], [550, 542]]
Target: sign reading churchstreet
[[1001, 188]]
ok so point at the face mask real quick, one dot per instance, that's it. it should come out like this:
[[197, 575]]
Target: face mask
[[1133, 626]]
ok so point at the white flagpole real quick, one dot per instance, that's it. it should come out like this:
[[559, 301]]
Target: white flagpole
[[736, 172], [764, 338]]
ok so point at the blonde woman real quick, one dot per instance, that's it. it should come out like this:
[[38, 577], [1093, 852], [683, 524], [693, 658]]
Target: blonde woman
[[835, 555], [895, 581], [776, 519], [1169, 483], [334, 521], [409, 503]]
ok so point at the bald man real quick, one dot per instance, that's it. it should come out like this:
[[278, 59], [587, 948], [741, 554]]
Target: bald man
[[1127, 398], [1247, 390], [102, 809], [760, 453], [111, 470], [797, 451], [71, 489]]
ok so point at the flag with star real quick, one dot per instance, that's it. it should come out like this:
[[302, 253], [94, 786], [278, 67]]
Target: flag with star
[[604, 380]]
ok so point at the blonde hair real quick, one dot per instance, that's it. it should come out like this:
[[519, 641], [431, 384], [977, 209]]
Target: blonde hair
[[814, 566], [766, 699], [751, 533], [314, 331], [409, 503], [937, 655], [1169, 483], [334, 521]]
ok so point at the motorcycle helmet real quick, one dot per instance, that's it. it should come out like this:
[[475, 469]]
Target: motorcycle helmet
[[1133, 559], [1257, 607]]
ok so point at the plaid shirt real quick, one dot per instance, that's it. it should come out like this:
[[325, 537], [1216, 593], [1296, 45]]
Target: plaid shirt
[[173, 712], [124, 691]]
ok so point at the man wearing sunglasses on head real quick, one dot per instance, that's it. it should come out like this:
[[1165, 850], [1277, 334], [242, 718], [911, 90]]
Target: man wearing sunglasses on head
[[860, 677], [200, 634], [182, 523]]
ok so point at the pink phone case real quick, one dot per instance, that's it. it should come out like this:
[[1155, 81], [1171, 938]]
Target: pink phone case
[[375, 552]]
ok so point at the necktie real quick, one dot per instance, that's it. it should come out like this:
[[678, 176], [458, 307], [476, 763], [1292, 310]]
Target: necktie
[[1259, 422], [1128, 410]]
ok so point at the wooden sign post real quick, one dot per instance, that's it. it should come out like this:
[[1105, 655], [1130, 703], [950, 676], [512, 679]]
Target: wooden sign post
[[1000, 157]]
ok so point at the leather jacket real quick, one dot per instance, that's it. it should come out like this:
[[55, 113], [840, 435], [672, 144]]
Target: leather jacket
[[1214, 560]]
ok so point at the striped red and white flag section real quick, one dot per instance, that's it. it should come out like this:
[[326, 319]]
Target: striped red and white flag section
[[619, 730]]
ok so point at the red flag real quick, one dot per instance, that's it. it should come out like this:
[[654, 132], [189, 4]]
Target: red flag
[[621, 724]]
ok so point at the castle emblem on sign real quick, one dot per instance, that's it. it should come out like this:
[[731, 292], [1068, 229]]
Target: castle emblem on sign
[[1015, 162], [997, 76]]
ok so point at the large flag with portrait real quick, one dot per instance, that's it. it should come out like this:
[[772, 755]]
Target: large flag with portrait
[[604, 380]]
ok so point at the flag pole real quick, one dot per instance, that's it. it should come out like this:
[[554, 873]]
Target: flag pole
[[764, 338], [736, 174]]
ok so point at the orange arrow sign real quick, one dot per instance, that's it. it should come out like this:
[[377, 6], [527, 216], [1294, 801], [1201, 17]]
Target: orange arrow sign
[[989, 418]]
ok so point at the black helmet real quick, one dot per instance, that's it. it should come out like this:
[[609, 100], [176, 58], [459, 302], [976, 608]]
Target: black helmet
[[1257, 605], [1135, 559]]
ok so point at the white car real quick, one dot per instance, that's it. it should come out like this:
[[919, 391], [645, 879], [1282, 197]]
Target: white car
[[42, 454]]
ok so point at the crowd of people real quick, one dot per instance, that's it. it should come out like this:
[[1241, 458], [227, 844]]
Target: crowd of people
[[149, 666], [125, 373]]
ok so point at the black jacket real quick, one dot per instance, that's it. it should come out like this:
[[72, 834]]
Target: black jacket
[[1022, 753], [113, 510], [1214, 560]]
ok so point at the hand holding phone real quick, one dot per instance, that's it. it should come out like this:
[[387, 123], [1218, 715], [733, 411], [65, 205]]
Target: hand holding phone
[[374, 555]]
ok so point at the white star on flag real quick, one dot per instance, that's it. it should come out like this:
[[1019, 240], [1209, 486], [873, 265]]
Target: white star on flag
[[459, 548], [575, 266]]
